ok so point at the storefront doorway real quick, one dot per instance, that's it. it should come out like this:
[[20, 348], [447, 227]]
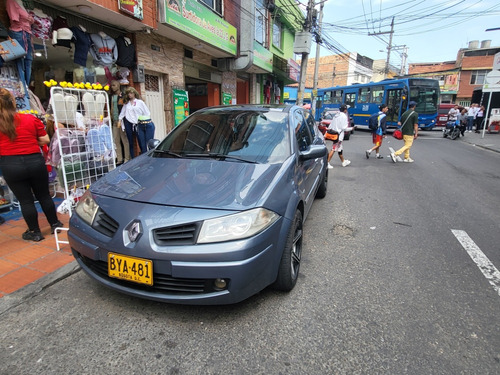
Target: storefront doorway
[[154, 98], [202, 94]]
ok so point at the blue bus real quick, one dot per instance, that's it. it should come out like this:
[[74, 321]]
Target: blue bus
[[364, 100]]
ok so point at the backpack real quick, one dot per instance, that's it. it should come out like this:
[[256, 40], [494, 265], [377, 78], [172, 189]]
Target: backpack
[[373, 122]]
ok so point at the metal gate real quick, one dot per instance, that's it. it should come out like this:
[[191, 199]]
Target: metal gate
[[154, 100]]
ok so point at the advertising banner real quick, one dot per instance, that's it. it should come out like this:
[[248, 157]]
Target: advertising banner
[[132, 7], [262, 57], [181, 105], [197, 20]]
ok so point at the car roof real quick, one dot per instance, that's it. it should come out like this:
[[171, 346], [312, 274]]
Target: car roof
[[251, 107]]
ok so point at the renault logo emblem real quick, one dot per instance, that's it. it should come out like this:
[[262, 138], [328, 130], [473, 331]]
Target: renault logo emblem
[[134, 231]]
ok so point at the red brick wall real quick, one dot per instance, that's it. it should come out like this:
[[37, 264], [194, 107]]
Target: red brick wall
[[332, 71], [429, 68], [477, 62]]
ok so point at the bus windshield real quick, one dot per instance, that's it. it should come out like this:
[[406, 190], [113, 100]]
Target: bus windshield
[[426, 95]]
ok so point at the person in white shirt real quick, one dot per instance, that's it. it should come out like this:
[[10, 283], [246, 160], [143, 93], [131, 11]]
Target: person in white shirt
[[134, 110], [471, 116], [453, 113], [339, 123]]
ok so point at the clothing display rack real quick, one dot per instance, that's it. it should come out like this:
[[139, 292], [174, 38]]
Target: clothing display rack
[[82, 147]]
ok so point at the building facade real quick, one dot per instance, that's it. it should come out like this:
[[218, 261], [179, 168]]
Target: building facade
[[214, 51], [459, 78]]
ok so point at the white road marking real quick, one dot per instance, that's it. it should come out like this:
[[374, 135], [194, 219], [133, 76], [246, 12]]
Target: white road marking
[[487, 268]]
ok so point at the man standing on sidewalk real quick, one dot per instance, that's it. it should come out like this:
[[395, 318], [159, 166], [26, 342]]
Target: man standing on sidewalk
[[409, 119]]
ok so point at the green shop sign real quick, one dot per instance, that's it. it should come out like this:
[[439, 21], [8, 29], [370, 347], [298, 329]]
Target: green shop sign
[[262, 57], [197, 20], [181, 105], [226, 98]]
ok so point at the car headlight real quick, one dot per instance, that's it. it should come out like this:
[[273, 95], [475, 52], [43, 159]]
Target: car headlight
[[87, 208], [238, 226]]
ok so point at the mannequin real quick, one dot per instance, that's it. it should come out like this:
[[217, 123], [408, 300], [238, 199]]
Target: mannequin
[[78, 75]]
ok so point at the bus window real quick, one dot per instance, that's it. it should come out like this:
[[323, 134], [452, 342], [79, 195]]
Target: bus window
[[350, 99], [337, 97], [426, 99], [378, 94], [364, 95], [394, 104], [327, 97]]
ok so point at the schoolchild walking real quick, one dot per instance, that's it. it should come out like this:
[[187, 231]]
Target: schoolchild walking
[[378, 128], [339, 123]]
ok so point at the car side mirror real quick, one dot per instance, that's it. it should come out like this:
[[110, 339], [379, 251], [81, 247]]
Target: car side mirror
[[152, 143]]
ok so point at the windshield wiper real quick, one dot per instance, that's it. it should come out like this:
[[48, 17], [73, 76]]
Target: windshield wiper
[[167, 152], [222, 157]]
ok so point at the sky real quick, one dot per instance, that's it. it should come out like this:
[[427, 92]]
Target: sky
[[432, 30]]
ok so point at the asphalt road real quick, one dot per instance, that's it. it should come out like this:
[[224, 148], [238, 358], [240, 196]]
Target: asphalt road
[[385, 288]]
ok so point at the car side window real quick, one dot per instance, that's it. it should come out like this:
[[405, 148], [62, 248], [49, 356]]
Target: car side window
[[310, 123], [302, 133]]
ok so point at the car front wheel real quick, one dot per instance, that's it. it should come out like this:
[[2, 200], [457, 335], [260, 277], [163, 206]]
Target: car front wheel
[[290, 260]]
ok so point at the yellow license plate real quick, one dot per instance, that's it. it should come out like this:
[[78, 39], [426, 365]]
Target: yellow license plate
[[133, 269]]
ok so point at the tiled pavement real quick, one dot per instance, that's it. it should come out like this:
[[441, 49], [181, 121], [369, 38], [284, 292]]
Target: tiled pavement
[[23, 262]]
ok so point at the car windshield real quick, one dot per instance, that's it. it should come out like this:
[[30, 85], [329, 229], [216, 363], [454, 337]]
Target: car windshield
[[329, 115], [229, 134]]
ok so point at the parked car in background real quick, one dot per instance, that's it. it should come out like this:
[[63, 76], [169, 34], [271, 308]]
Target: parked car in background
[[443, 109], [326, 119], [212, 214]]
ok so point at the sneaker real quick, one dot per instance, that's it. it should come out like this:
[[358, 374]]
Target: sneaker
[[32, 235], [393, 157], [367, 153], [380, 157], [56, 225], [330, 166], [345, 163], [409, 160]]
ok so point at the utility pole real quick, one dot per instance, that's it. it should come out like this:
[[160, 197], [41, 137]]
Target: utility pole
[[305, 55], [316, 62], [389, 47]]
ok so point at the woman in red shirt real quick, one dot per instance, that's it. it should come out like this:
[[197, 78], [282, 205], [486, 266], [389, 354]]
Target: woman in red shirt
[[23, 165]]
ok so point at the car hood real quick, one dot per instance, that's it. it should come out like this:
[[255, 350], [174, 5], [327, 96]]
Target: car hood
[[190, 182]]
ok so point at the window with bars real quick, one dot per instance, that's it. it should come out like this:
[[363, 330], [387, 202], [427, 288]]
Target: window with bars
[[152, 82]]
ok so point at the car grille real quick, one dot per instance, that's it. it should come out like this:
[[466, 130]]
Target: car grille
[[177, 235], [105, 224], [161, 283]]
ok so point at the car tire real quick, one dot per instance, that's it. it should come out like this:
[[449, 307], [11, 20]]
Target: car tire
[[323, 186], [290, 259]]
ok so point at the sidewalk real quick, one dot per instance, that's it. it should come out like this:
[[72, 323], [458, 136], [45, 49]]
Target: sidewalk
[[490, 141], [24, 262]]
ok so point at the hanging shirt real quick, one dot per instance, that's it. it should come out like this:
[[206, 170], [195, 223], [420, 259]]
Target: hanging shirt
[[82, 42], [103, 50], [20, 20], [41, 26], [126, 53]]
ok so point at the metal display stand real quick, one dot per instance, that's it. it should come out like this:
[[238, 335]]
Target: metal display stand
[[82, 147]]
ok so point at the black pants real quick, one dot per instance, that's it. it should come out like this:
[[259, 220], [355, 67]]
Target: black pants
[[26, 176]]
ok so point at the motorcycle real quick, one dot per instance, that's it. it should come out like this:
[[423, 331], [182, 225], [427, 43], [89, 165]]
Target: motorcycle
[[452, 130]]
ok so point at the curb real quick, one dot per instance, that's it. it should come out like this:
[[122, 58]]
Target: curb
[[19, 296]]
